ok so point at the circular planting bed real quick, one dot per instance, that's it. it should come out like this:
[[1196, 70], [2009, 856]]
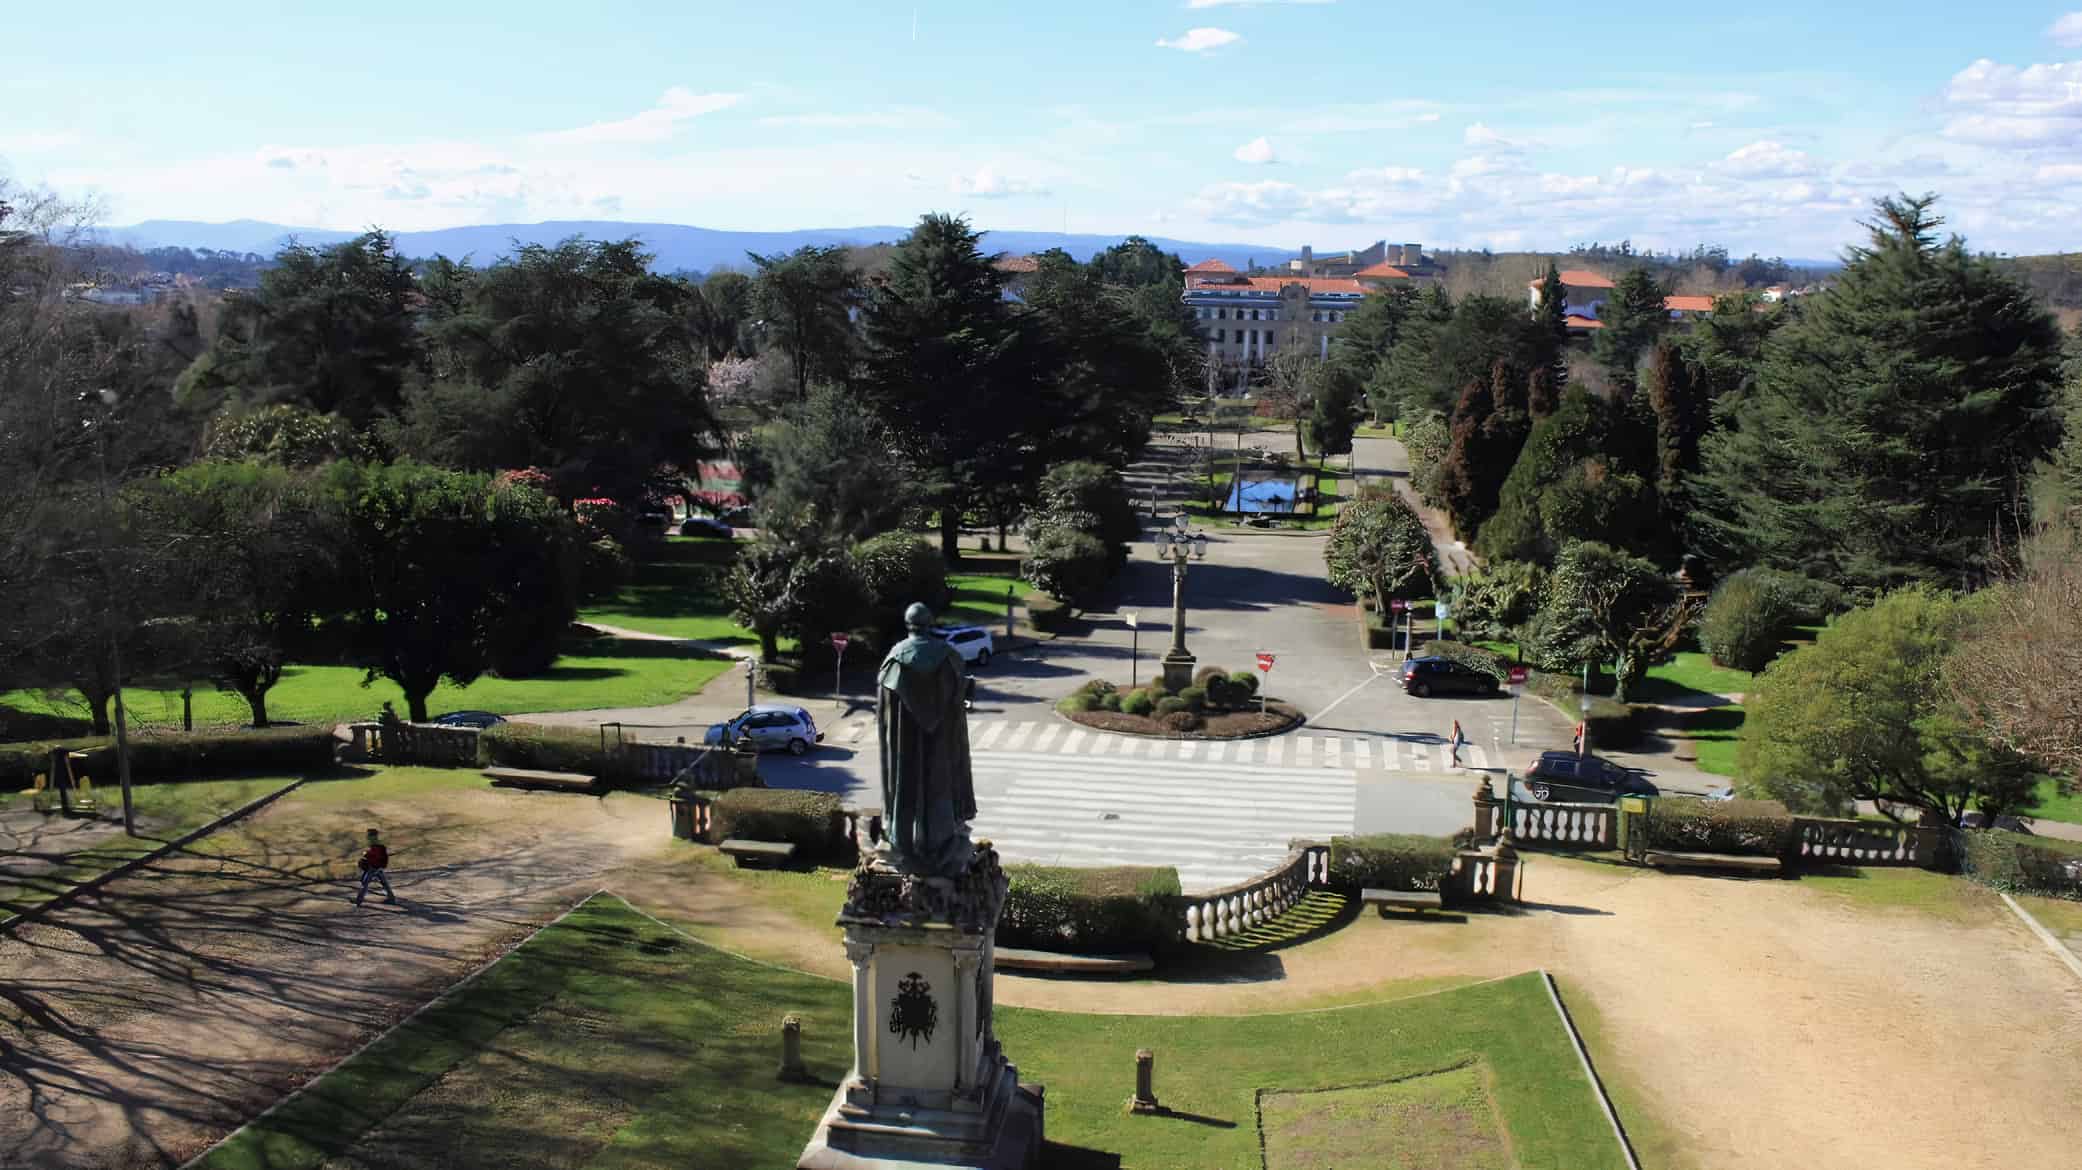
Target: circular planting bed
[[1219, 705]]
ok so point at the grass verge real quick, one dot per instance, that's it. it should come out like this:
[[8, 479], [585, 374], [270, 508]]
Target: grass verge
[[978, 599], [2052, 806], [608, 1041]]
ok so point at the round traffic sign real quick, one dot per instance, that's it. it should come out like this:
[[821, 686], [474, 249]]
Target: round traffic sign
[[1265, 662], [1518, 676]]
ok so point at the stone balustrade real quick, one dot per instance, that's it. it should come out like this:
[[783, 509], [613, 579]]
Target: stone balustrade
[[1232, 910], [1866, 843], [414, 743], [665, 761], [1565, 826], [1486, 875]]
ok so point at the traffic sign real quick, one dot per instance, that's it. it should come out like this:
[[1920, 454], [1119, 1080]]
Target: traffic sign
[[1518, 676], [1264, 662], [1398, 605], [838, 642]]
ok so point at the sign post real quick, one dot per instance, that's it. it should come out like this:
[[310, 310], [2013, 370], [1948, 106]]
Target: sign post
[[1517, 688], [838, 669], [1134, 643], [751, 680], [1009, 599], [1264, 668], [1400, 608]]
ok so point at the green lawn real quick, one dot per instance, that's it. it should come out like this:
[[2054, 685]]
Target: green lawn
[[979, 598], [608, 1041], [164, 812], [1691, 671], [601, 672], [2055, 807], [675, 597], [1947, 896]]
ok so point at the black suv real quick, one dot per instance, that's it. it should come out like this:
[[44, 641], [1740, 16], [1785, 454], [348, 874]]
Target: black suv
[[1425, 677], [1572, 779]]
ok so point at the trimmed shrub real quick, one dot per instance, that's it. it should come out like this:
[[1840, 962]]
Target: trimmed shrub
[[814, 821], [782, 678], [1110, 701], [1059, 908], [1752, 828], [1181, 720], [1473, 657], [1391, 861], [1612, 724], [896, 569], [1195, 698], [1067, 564], [1096, 687], [1223, 695], [176, 756], [557, 749], [1744, 621], [1248, 681], [1137, 702], [1075, 704], [1205, 677], [1048, 615], [1170, 704], [2019, 864], [1157, 690]]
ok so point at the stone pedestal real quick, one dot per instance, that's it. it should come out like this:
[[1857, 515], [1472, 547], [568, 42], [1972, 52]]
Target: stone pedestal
[[1178, 670], [930, 1085]]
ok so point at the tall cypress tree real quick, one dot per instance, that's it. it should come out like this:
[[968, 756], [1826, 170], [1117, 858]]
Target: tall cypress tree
[[1892, 421], [1633, 317], [1553, 318]]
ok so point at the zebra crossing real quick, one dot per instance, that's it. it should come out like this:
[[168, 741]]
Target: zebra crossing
[[1302, 749], [1217, 822]]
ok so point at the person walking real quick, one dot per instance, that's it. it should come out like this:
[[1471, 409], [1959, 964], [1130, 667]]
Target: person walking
[[374, 860], [1459, 737]]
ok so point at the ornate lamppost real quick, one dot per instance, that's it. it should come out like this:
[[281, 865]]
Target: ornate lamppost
[[1179, 547]]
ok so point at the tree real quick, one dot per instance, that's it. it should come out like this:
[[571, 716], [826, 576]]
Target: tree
[[251, 561], [1488, 427], [804, 302], [1552, 317], [282, 434], [794, 580], [719, 311], [1065, 563], [441, 563], [894, 570], [329, 329], [1427, 441], [574, 358], [1403, 381], [1682, 416], [1866, 713], [2017, 672], [1136, 262], [1377, 547], [1289, 378], [1115, 351], [1745, 621], [1632, 318], [1605, 605], [1333, 409], [1564, 456], [829, 457], [1498, 599], [1370, 331], [1089, 497], [961, 382], [1892, 423]]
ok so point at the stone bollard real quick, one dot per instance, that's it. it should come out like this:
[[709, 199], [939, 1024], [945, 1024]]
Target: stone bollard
[[1145, 1098], [791, 1049]]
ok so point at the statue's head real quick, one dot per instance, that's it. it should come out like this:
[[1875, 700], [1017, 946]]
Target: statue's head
[[917, 618]]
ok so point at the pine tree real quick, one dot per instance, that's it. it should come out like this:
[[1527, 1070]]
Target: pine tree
[[1892, 422], [1553, 318], [1633, 317]]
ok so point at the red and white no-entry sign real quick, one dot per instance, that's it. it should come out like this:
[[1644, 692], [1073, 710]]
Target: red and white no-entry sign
[[838, 642], [1265, 662], [1398, 605], [1518, 676]]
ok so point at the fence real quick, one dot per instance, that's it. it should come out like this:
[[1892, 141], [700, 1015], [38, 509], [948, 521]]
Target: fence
[[414, 743], [1866, 843], [1554, 826], [1246, 905]]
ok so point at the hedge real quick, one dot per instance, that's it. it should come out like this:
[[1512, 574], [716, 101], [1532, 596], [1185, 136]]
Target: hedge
[[2017, 864], [1751, 828], [814, 821], [1613, 724], [1048, 615], [782, 678], [1060, 908], [183, 755], [556, 749], [1391, 861]]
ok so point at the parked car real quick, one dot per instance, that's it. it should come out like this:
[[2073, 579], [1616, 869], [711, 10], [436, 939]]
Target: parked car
[[768, 725], [973, 643], [477, 719], [1724, 792], [659, 518], [1568, 778], [706, 527], [1424, 677]]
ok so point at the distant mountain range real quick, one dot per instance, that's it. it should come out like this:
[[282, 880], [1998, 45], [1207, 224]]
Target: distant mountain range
[[676, 246]]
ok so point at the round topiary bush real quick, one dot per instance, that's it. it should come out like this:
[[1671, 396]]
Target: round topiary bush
[[1110, 701], [1195, 698], [1221, 693], [1248, 680], [1157, 690], [1075, 704], [1205, 676], [1179, 720], [1137, 702], [1096, 687], [1170, 705]]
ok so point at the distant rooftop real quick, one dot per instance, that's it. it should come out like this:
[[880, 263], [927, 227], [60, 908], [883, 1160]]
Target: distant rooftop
[[1210, 266], [1575, 278]]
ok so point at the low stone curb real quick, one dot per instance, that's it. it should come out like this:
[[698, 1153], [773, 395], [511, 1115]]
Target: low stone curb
[[1597, 1086], [136, 863], [2060, 949], [1297, 725]]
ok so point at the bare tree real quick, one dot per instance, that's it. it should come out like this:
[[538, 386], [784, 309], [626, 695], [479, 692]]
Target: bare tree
[[2018, 673]]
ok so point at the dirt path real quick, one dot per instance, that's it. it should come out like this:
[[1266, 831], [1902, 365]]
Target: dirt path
[[144, 1022], [1762, 1024]]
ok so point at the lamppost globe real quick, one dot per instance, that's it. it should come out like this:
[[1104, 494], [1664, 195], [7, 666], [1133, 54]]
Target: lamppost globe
[[1179, 522], [1200, 546], [1162, 540]]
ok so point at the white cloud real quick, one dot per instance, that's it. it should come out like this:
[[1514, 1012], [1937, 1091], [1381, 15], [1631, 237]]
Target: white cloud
[[2002, 105], [987, 183], [656, 124], [1200, 40], [1258, 151], [1767, 160], [898, 118], [1480, 135], [30, 141], [2059, 173], [1566, 185], [1265, 202], [1387, 176], [2066, 32], [1248, 3]]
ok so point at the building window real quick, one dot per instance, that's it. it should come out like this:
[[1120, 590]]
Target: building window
[[1221, 336], [1222, 314]]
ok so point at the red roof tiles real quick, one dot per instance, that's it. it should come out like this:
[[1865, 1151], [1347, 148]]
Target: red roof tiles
[[1382, 271], [1018, 264], [1210, 266], [1688, 304], [1317, 284], [1575, 278]]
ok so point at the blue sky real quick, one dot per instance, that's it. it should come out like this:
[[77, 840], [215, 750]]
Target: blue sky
[[1766, 126]]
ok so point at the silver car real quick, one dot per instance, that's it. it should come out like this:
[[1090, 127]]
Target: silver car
[[973, 643], [768, 726]]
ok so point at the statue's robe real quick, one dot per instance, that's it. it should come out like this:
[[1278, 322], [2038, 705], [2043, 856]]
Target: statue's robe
[[928, 794]]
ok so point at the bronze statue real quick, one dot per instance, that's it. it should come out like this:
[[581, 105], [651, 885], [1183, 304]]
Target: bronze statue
[[928, 795]]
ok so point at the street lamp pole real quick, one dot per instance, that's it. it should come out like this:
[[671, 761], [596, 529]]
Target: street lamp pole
[[1179, 547]]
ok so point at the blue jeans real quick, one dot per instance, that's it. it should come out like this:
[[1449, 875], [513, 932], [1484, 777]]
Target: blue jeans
[[373, 875]]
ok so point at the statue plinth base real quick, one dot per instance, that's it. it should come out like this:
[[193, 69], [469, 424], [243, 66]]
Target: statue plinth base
[[930, 1085], [1178, 670]]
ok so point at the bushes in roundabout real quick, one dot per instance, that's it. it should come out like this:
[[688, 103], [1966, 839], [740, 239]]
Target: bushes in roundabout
[[1220, 704]]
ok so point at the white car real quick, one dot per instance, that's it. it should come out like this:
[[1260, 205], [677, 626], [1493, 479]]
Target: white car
[[973, 643]]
